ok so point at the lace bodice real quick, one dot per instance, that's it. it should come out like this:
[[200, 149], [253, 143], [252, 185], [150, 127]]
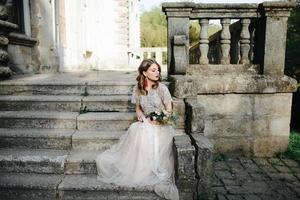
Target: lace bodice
[[155, 100]]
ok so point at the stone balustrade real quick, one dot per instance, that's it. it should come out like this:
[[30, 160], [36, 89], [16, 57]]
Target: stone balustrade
[[262, 30], [5, 29], [135, 56], [233, 83]]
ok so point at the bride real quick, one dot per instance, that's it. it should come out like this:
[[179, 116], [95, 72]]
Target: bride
[[143, 156]]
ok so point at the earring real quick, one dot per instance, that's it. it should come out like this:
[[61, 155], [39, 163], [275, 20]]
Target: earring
[[145, 82]]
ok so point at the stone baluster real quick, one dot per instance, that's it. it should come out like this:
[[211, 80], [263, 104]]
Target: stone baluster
[[158, 56], [252, 34], [225, 41], [203, 42], [245, 41]]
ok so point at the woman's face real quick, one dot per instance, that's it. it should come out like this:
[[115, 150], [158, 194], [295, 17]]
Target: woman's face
[[153, 72]]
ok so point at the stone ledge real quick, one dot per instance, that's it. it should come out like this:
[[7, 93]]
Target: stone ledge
[[213, 69], [21, 39], [190, 86]]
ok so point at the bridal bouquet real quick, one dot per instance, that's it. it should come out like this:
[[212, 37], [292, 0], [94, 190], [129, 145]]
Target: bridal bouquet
[[163, 117]]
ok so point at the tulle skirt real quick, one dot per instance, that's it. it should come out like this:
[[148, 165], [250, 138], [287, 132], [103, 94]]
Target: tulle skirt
[[142, 157]]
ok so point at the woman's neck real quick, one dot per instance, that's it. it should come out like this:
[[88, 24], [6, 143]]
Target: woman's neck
[[150, 83]]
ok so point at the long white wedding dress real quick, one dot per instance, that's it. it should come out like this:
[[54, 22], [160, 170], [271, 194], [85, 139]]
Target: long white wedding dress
[[143, 156]]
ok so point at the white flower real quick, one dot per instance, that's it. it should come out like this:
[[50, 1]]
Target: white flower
[[154, 118]]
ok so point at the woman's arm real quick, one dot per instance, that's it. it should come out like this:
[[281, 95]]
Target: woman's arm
[[169, 107]]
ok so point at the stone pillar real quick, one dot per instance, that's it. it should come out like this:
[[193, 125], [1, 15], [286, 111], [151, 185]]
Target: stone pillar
[[275, 15], [225, 41], [5, 28], [245, 41], [203, 42], [178, 24]]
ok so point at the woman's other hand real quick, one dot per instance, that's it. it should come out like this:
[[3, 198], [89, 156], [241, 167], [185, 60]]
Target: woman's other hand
[[154, 122]]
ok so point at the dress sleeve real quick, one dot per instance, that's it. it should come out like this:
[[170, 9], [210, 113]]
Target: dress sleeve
[[167, 98], [135, 99]]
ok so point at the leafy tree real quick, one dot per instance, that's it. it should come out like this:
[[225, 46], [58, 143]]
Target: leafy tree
[[154, 29], [292, 62]]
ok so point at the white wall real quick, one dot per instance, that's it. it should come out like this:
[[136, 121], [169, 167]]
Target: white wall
[[94, 38]]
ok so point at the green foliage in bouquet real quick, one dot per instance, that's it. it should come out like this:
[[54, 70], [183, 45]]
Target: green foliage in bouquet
[[164, 117]]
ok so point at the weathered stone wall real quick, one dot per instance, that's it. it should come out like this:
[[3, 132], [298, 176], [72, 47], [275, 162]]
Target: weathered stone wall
[[252, 124]]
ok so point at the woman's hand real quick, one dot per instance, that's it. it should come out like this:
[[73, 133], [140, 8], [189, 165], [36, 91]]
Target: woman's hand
[[140, 115]]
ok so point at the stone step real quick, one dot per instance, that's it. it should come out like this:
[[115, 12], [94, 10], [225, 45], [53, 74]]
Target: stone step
[[65, 103], [81, 162], [24, 186], [105, 120], [36, 138], [38, 119], [40, 103], [88, 187], [119, 103], [65, 88], [33, 161], [95, 140]]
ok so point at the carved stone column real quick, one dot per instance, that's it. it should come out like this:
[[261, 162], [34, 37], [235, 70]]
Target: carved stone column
[[203, 42], [5, 28], [245, 41], [225, 41]]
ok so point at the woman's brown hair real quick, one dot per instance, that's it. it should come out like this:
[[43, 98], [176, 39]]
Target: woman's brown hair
[[144, 66]]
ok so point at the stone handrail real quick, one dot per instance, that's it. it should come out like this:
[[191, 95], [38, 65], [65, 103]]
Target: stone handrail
[[262, 30]]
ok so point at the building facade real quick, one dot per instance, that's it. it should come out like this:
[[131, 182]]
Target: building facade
[[70, 35]]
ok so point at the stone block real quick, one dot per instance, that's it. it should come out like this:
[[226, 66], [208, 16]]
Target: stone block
[[227, 126], [194, 117], [233, 145], [269, 146], [269, 125], [205, 163], [273, 104], [184, 154]]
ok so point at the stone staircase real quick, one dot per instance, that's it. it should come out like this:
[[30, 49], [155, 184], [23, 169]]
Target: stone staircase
[[49, 141]]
